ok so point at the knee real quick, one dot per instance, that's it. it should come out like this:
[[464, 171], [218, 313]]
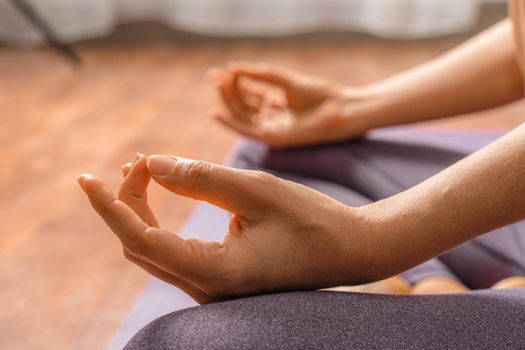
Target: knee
[[163, 333]]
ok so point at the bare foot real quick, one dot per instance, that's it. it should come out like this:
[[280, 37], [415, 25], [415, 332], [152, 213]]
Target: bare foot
[[438, 285], [511, 282], [392, 285]]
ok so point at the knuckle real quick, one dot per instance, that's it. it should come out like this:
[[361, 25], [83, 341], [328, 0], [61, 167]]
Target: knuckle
[[266, 181], [137, 248], [197, 174], [263, 177], [128, 255], [121, 195], [134, 255], [129, 197]]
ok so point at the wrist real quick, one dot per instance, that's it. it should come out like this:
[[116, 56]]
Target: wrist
[[404, 231], [367, 250], [360, 109], [388, 235]]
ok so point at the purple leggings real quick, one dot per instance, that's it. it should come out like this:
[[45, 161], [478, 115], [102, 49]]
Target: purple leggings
[[363, 171]]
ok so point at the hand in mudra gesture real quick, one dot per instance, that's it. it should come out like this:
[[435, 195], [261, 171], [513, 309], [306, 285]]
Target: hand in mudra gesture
[[310, 110], [282, 235]]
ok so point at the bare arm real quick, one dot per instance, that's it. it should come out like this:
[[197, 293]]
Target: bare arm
[[480, 74], [479, 193]]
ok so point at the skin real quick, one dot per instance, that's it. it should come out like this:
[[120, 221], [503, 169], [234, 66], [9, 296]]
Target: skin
[[322, 111], [303, 239], [249, 260], [470, 78]]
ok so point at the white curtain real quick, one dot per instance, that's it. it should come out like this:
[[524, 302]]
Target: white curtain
[[82, 19]]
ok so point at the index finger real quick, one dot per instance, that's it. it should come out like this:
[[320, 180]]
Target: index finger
[[229, 90], [133, 190], [120, 218], [187, 260]]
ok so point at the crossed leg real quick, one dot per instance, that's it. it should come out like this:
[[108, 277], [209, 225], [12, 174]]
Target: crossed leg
[[485, 319]]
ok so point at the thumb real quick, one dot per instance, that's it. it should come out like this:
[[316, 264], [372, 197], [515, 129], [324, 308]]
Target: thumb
[[243, 192]]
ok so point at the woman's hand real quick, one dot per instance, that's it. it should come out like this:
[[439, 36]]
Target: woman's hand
[[282, 236], [309, 110], [470, 78]]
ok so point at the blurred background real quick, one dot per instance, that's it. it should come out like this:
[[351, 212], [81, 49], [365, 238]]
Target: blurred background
[[86, 84]]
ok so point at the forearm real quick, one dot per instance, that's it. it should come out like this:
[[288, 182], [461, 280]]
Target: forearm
[[480, 74], [481, 192]]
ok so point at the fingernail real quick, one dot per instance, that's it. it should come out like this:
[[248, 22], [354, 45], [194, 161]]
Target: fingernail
[[161, 165], [139, 155], [82, 177], [126, 167]]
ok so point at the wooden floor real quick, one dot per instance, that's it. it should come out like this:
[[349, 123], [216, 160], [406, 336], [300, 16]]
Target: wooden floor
[[63, 281]]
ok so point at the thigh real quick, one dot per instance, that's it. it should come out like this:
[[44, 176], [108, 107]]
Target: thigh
[[331, 320], [431, 268], [487, 259], [375, 168]]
